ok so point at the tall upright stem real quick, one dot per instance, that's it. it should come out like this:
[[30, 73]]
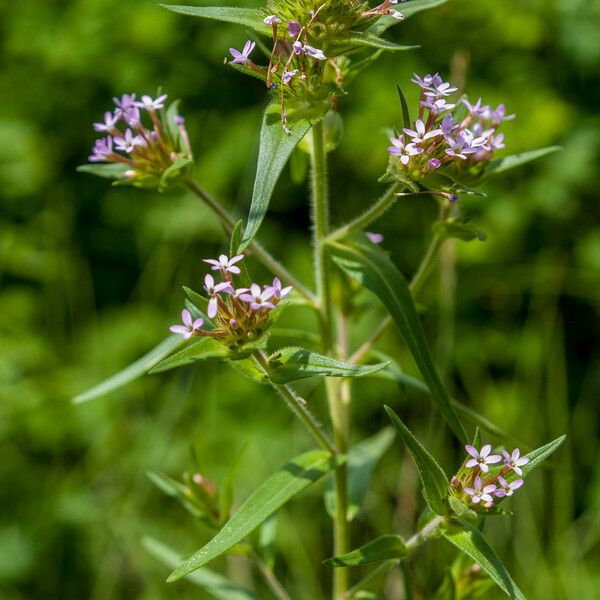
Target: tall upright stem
[[338, 394]]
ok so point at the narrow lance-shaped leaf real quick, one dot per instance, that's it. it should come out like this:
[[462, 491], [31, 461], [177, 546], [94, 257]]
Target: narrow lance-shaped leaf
[[369, 265], [360, 38], [386, 547], [538, 456], [405, 112], [468, 539], [202, 348], [276, 147], [216, 585], [408, 9], [132, 372], [290, 364], [283, 485], [506, 163], [106, 170], [433, 478], [362, 460], [248, 17]]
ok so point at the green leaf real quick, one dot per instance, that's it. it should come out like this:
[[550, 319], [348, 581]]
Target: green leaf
[[226, 493], [132, 372], [460, 231], [179, 491], [538, 456], [405, 112], [216, 585], [460, 509], [435, 481], [362, 460], [171, 174], [250, 369], [296, 336], [365, 38], [369, 265], [248, 17], [283, 485], [201, 348], [236, 238], [267, 541], [106, 170], [408, 9], [501, 165], [292, 363], [276, 146], [386, 547], [469, 540]]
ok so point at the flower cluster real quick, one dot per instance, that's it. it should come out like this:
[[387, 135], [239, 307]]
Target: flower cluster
[[308, 62], [486, 477], [237, 315], [461, 135], [150, 156]]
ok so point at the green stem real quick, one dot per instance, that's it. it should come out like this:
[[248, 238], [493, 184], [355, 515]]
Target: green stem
[[270, 579], [269, 261], [371, 214], [298, 406], [338, 394]]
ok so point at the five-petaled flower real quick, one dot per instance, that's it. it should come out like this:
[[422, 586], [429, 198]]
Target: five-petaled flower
[[514, 460], [212, 290], [481, 458], [276, 290], [404, 151], [149, 104], [421, 134], [225, 264], [257, 298], [243, 57], [189, 326], [129, 142], [506, 488], [480, 493]]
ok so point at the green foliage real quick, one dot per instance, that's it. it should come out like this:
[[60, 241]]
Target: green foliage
[[386, 547], [271, 495], [434, 480], [202, 348], [373, 269], [248, 17]]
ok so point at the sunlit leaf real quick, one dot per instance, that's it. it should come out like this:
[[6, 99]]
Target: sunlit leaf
[[283, 485], [516, 160], [106, 170], [200, 348], [469, 540], [216, 585], [538, 456], [369, 265], [292, 363], [386, 547], [373, 41], [433, 478], [132, 372], [276, 147], [248, 17], [362, 460]]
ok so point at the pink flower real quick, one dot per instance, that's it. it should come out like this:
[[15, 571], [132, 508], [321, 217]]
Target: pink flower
[[507, 489], [482, 458], [225, 264], [479, 493], [188, 328], [515, 461]]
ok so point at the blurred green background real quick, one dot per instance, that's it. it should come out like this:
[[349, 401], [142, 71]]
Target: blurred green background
[[90, 279]]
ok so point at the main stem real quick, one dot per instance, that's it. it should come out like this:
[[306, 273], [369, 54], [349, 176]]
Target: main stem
[[338, 394]]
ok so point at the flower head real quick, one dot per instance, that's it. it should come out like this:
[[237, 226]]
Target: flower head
[[189, 327], [213, 291], [129, 142], [375, 238], [258, 298], [276, 291], [480, 493], [514, 460], [126, 101], [149, 104], [404, 151], [225, 264], [102, 149], [110, 120], [506, 488], [243, 57], [421, 134], [271, 20], [481, 458]]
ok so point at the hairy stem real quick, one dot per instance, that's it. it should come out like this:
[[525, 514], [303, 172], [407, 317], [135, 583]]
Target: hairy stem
[[228, 221], [370, 215], [338, 394], [297, 405]]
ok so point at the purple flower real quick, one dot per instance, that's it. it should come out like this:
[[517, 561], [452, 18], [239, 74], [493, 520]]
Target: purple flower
[[436, 106], [497, 142], [420, 135], [188, 328], [499, 115], [243, 57], [515, 461], [476, 110], [287, 76], [507, 489], [225, 264], [457, 148], [258, 298], [129, 142], [482, 458], [271, 20], [294, 28], [212, 290], [375, 238], [479, 493], [149, 104], [428, 81], [404, 151], [276, 290], [102, 149], [315, 53], [110, 120], [396, 14], [434, 163], [298, 47], [126, 101], [447, 125], [471, 143], [443, 89]]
